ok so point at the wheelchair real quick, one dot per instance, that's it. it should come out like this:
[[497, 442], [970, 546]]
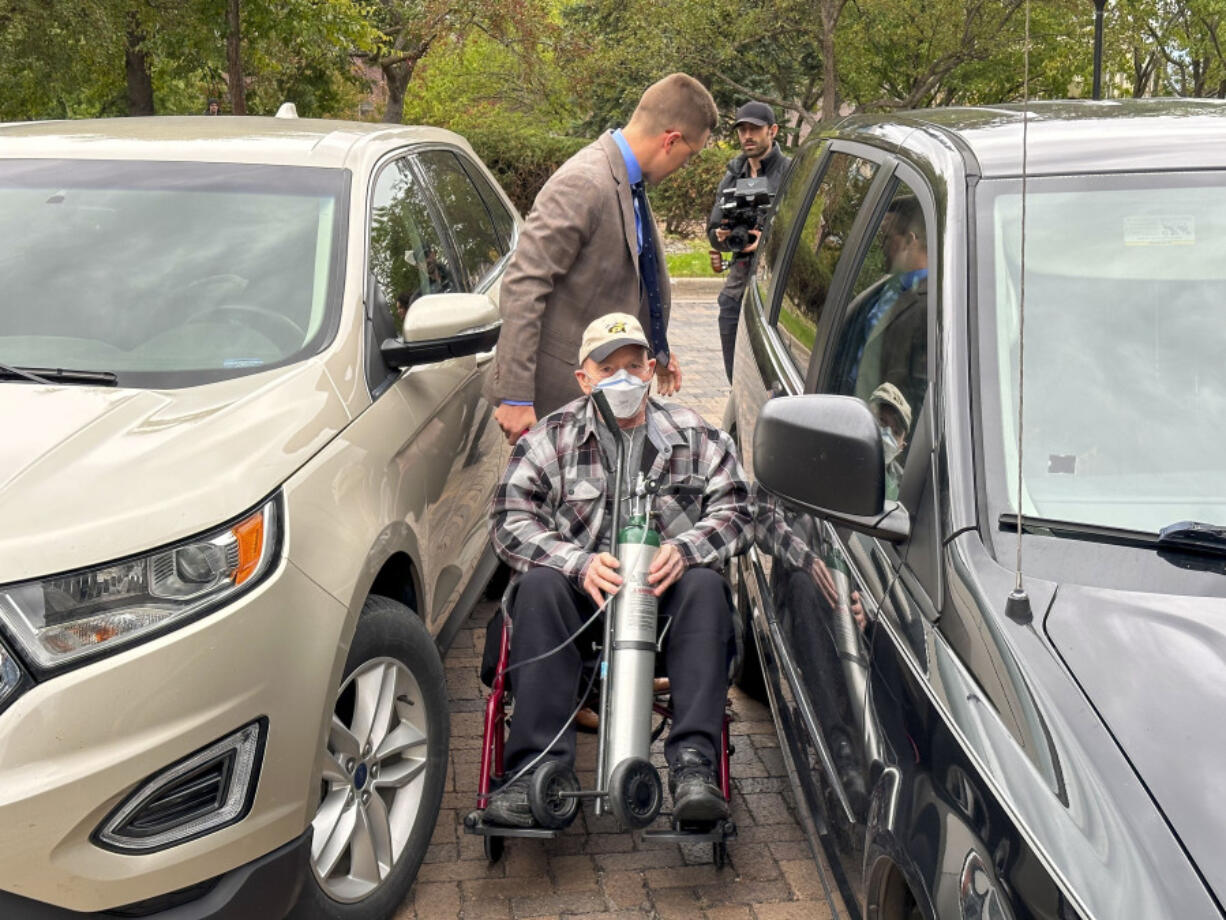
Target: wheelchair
[[633, 795]]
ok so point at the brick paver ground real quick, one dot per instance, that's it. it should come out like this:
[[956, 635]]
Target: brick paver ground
[[593, 870]]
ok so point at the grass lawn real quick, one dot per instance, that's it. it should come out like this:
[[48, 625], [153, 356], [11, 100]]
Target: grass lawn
[[693, 263]]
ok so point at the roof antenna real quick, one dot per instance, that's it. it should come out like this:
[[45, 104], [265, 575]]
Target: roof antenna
[[1017, 608]]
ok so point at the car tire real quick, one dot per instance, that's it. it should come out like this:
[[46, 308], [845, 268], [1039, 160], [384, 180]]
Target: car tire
[[378, 806]]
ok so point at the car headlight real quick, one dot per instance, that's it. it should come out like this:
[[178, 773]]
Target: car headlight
[[10, 675], [64, 618]]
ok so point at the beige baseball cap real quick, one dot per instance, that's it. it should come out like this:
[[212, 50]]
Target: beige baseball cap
[[892, 396], [610, 332]]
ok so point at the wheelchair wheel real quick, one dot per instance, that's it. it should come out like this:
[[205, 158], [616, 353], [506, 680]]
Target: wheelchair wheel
[[549, 806], [719, 854], [494, 847], [635, 792]]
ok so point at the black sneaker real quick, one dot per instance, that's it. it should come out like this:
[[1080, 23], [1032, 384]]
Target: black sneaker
[[697, 798], [509, 807]]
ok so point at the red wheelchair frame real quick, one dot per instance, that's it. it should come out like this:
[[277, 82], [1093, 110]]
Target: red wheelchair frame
[[492, 748]]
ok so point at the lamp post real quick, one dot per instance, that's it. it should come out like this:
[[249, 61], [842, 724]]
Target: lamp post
[[1098, 48]]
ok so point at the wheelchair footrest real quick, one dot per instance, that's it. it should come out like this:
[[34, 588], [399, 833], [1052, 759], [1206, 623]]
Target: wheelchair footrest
[[721, 831], [475, 824]]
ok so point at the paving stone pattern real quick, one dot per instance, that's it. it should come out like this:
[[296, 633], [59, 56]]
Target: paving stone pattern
[[594, 870]]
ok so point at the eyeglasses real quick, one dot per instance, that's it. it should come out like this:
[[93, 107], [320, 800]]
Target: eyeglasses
[[693, 150]]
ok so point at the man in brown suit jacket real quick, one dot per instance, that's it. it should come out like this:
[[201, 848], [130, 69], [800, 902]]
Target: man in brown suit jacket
[[579, 252]]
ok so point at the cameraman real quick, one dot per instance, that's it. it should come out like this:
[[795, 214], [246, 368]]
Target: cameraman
[[760, 156]]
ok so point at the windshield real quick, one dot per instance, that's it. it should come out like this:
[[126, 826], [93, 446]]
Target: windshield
[[1125, 350], [167, 274]]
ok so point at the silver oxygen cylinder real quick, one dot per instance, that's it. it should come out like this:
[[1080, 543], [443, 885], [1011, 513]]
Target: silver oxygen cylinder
[[849, 645], [633, 656]]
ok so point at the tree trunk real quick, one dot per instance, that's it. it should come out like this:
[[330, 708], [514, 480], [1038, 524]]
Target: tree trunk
[[136, 65], [234, 59], [397, 76], [830, 11]]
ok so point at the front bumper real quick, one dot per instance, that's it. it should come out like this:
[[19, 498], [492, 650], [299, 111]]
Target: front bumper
[[267, 887], [74, 746]]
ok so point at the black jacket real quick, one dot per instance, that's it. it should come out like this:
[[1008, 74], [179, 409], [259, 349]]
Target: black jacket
[[774, 165]]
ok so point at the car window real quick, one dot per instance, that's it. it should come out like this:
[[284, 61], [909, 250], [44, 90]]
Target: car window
[[827, 225], [168, 274], [407, 256], [472, 228], [1124, 342], [504, 222], [881, 352], [789, 202]]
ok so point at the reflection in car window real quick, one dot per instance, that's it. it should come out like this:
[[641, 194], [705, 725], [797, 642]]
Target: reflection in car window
[[1125, 390], [882, 351], [472, 228], [826, 228], [789, 203], [407, 257], [168, 274], [504, 223]]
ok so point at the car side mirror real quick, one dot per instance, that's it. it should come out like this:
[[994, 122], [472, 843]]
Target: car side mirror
[[442, 326], [824, 453]]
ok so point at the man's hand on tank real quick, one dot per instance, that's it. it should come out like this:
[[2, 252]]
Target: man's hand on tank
[[757, 238], [857, 610], [668, 379], [514, 420], [601, 576], [666, 567], [825, 581]]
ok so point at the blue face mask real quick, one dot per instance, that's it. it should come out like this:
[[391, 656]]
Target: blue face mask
[[625, 393]]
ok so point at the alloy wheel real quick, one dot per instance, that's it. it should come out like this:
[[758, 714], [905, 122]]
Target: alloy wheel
[[373, 772]]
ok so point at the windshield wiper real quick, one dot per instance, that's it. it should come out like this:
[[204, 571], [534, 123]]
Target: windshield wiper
[[1183, 536], [1195, 536], [1079, 531], [58, 375]]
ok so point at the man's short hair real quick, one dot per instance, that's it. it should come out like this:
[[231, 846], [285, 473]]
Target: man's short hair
[[678, 102], [909, 217]]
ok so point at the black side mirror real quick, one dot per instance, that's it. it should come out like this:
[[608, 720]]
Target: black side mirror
[[824, 454]]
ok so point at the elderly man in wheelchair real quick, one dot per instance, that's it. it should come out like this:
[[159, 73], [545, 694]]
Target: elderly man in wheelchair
[[551, 523]]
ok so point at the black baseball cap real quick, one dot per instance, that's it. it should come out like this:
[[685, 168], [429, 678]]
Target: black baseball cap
[[755, 113]]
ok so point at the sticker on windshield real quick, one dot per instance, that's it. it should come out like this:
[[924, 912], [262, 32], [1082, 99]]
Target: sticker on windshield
[[1160, 230], [242, 362]]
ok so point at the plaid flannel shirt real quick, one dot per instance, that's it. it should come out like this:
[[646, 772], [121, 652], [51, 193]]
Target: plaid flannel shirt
[[786, 534], [551, 507]]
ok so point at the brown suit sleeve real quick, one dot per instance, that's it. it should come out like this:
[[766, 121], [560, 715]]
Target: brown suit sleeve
[[560, 225]]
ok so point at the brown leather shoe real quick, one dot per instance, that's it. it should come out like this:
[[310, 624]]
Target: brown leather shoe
[[586, 719]]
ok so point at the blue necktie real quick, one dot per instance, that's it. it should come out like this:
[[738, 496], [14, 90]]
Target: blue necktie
[[649, 275]]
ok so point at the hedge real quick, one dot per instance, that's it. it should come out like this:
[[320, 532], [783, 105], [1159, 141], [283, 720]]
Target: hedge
[[522, 162]]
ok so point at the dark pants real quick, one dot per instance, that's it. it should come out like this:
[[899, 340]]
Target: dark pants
[[696, 653], [730, 310]]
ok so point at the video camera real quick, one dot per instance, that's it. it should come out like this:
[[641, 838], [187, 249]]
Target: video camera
[[742, 208]]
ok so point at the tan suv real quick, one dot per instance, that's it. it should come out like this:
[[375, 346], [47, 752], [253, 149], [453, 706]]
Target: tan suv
[[240, 507]]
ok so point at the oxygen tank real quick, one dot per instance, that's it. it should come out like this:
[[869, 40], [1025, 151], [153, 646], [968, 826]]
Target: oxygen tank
[[632, 659], [848, 645]]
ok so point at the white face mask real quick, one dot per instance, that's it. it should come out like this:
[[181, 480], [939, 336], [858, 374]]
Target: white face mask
[[889, 446], [625, 393]]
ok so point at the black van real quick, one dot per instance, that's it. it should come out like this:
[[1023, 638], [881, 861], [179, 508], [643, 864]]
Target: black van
[[979, 724]]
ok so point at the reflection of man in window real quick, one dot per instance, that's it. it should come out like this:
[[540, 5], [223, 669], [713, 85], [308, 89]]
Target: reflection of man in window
[[437, 276], [888, 331], [893, 415]]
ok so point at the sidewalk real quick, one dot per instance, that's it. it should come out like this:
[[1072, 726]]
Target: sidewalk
[[593, 871]]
